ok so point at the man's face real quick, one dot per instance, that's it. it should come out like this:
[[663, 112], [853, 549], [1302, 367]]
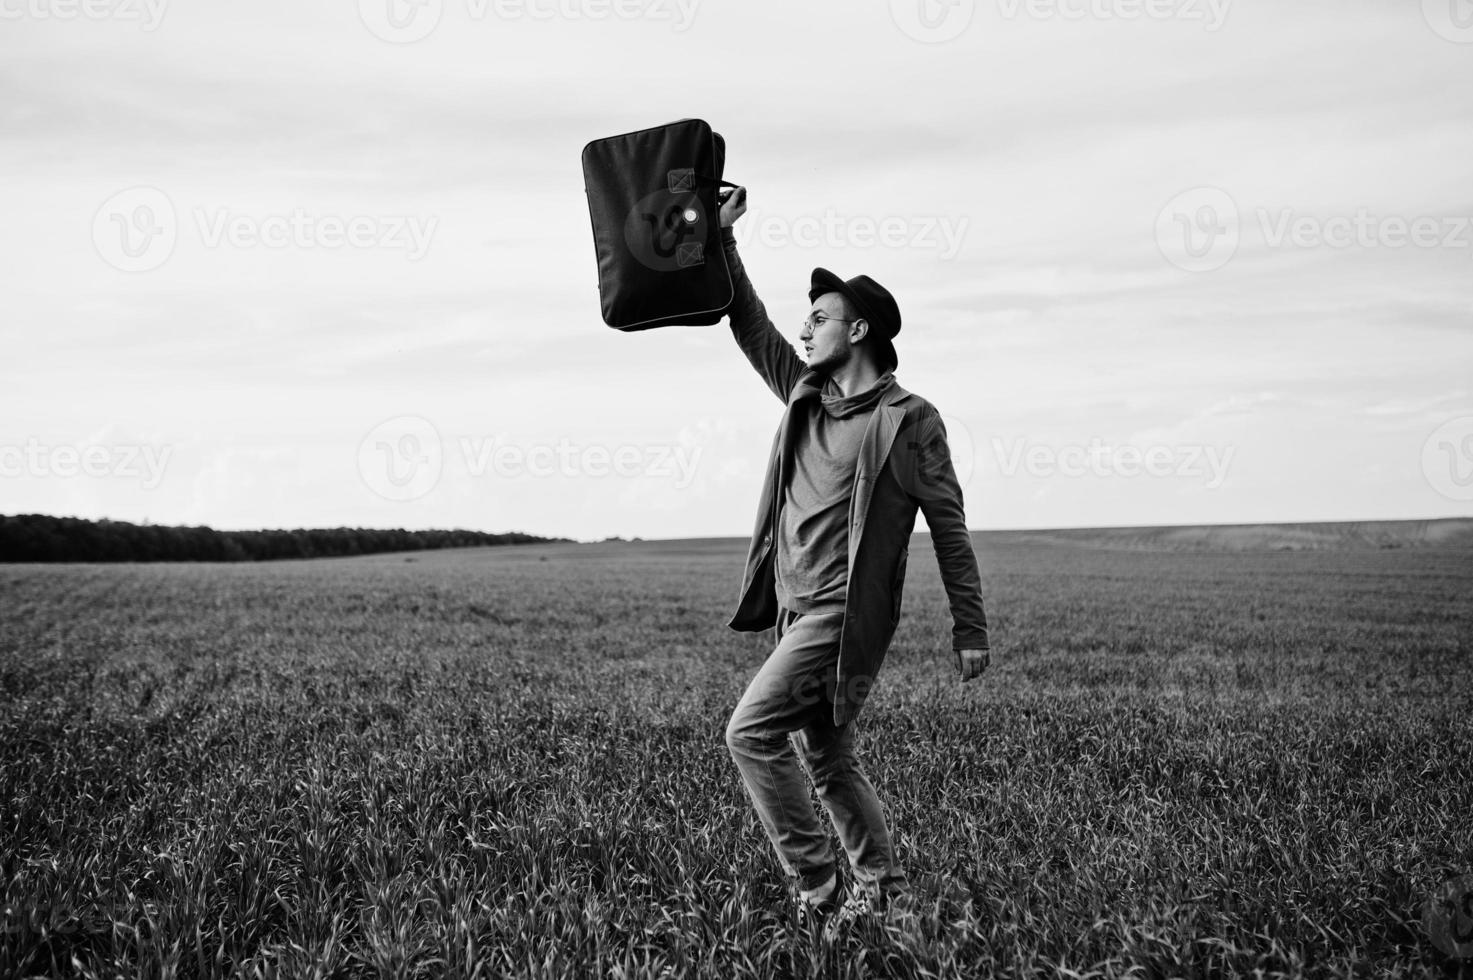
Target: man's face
[[825, 335]]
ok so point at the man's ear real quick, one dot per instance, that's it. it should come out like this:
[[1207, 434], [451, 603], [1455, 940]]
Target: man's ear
[[858, 330]]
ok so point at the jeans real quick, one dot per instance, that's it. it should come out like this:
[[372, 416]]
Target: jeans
[[786, 715]]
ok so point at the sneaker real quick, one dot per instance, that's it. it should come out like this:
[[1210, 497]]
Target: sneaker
[[859, 908], [813, 915], [865, 910]]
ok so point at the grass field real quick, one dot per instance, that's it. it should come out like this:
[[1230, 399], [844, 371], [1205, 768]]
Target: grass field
[[1195, 755]]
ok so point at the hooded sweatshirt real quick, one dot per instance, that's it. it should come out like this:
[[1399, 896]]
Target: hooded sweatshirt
[[812, 568]]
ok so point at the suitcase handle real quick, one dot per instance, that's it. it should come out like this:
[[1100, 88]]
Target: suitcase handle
[[685, 179]]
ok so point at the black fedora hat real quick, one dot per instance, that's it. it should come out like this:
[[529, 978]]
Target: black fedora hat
[[871, 301]]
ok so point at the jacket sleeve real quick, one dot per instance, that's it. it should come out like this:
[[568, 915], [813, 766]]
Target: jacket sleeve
[[935, 489], [771, 354]]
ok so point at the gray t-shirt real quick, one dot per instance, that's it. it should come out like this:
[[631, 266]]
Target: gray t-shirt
[[812, 569]]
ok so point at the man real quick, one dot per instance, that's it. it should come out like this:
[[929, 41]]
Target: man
[[854, 458]]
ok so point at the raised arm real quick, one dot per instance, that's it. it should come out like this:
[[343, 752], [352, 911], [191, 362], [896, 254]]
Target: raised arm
[[770, 353]]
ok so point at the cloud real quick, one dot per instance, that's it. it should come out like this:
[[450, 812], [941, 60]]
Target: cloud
[[1056, 142]]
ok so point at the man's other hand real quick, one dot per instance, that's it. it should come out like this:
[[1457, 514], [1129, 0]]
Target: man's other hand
[[971, 663], [733, 206]]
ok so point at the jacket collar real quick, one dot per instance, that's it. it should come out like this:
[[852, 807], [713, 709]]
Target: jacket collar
[[810, 385]]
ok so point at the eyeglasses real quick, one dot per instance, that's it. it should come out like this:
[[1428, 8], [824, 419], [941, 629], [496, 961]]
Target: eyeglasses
[[813, 321]]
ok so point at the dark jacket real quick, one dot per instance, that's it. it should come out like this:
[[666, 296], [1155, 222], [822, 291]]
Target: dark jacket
[[904, 465]]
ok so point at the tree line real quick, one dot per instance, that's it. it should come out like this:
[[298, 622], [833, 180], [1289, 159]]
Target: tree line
[[40, 538]]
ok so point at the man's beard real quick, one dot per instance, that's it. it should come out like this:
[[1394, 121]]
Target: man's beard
[[824, 365]]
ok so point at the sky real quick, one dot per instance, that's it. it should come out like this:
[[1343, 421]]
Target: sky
[[305, 264]]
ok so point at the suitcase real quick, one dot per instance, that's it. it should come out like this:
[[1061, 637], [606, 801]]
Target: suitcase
[[653, 197]]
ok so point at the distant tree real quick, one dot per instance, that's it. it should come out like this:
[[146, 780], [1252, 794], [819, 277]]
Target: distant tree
[[41, 538]]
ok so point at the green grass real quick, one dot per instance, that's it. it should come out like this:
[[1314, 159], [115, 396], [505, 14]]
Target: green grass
[[510, 762]]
